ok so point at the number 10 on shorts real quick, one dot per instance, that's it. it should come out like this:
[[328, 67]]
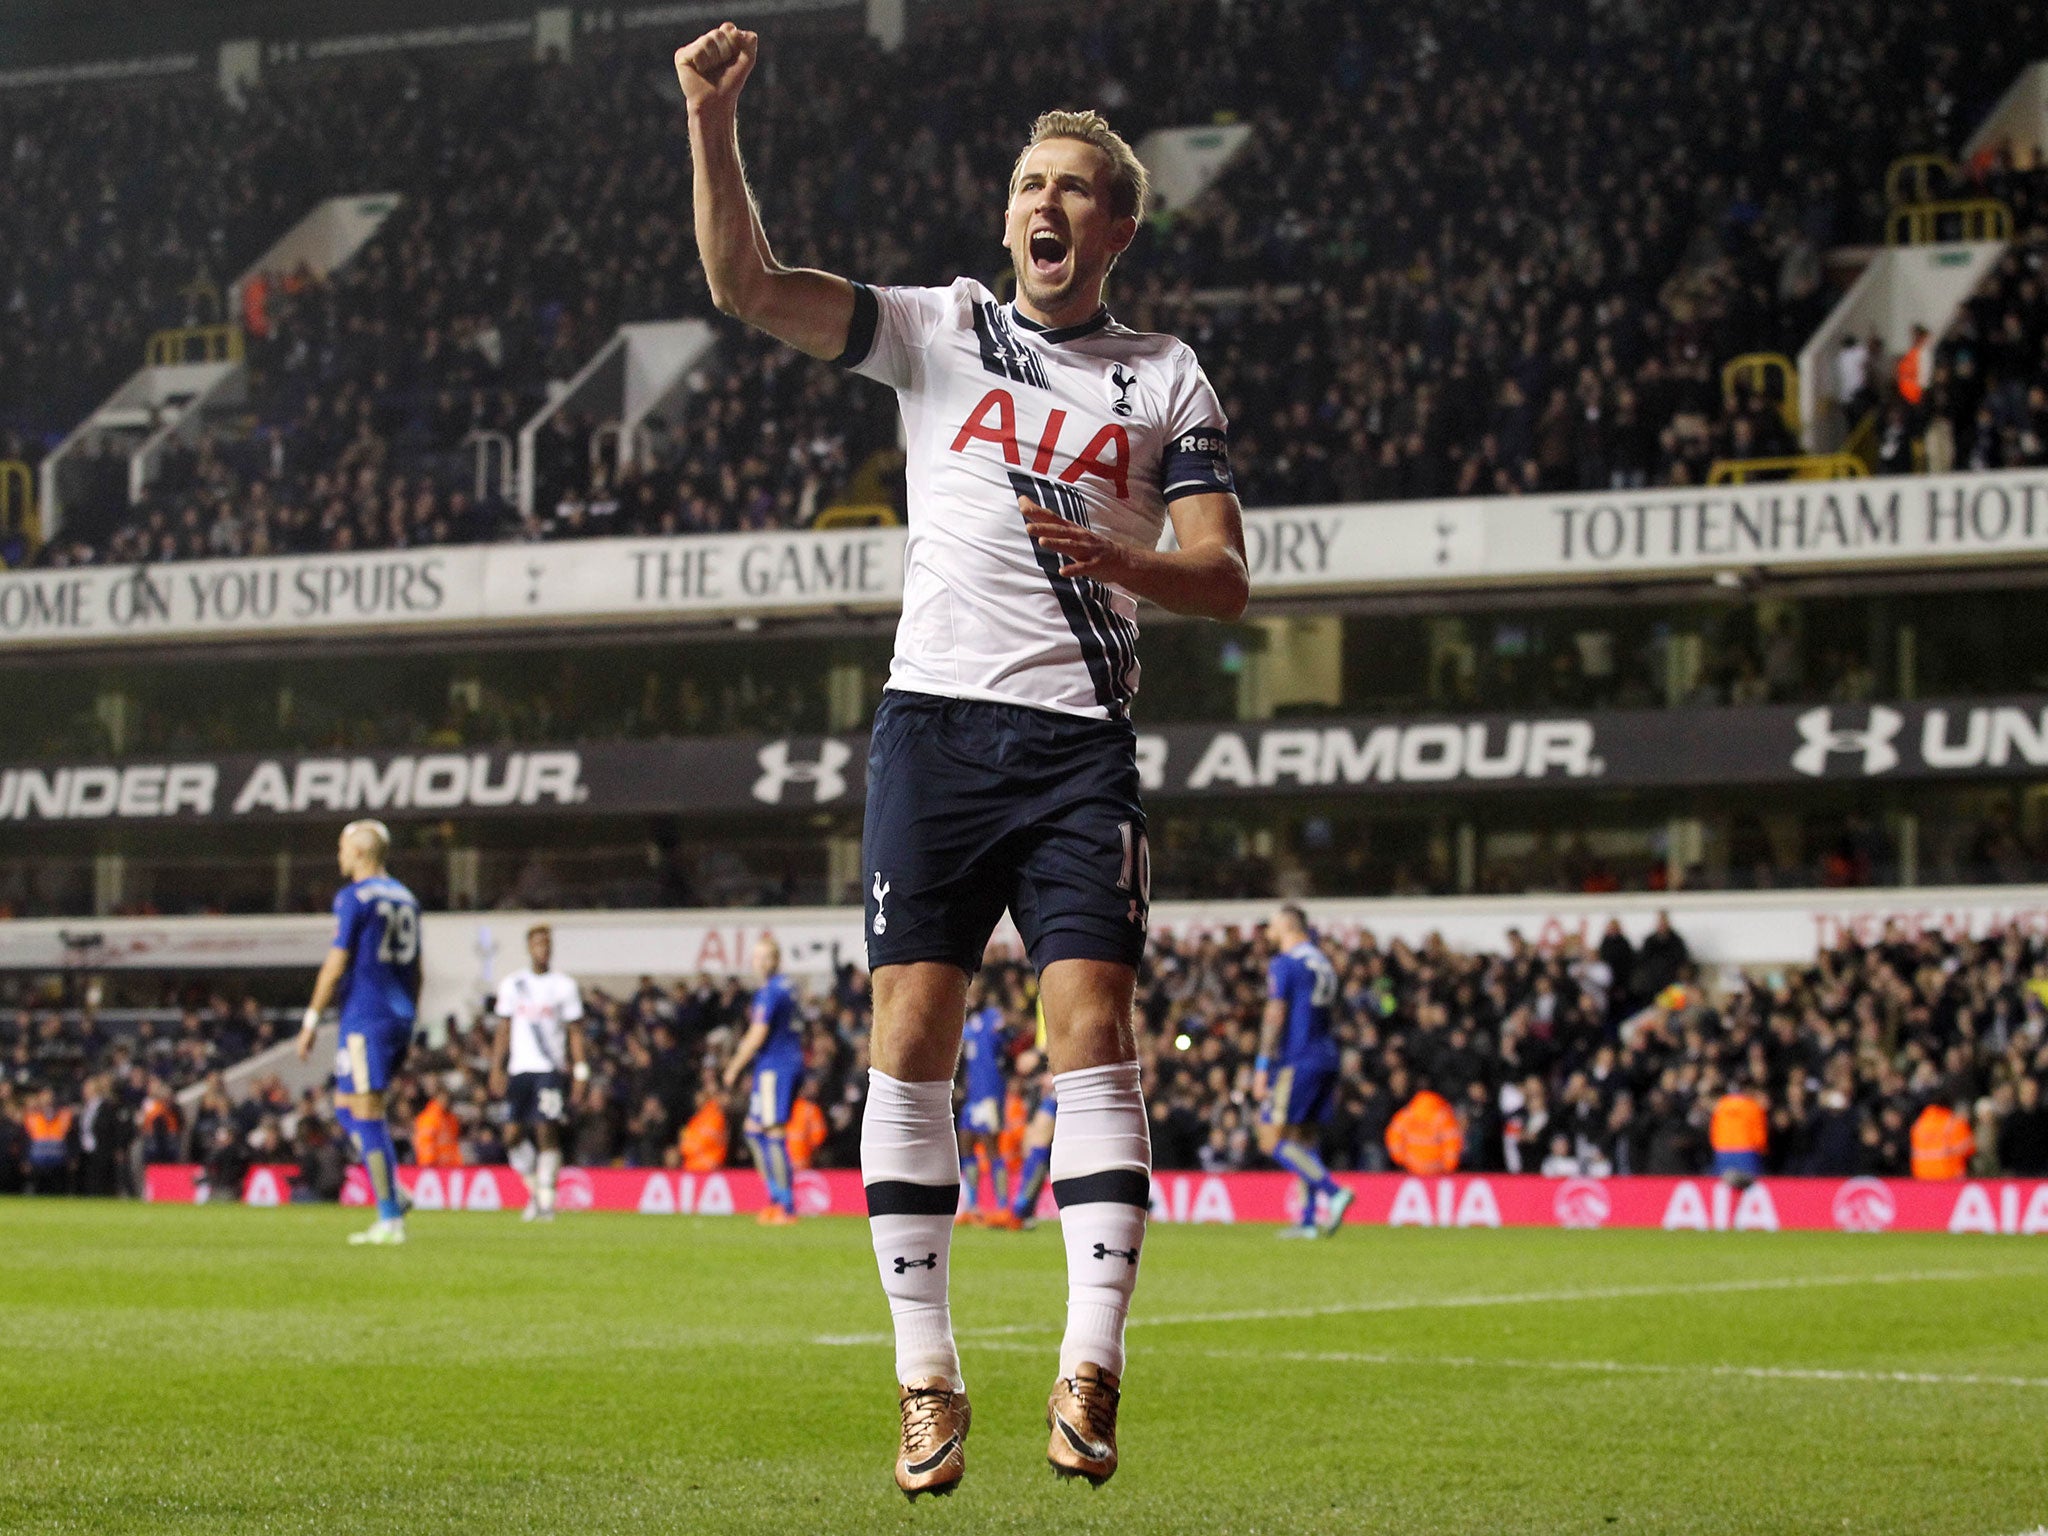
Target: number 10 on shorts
[[1136, 873]]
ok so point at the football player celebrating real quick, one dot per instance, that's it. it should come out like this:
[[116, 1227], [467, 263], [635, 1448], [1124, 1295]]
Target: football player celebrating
[[539, 1063], [373, 971], [1301, 986], [1048, 448]]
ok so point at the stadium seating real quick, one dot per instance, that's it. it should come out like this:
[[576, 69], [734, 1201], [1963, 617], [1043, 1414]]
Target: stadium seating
[[1472, 248]]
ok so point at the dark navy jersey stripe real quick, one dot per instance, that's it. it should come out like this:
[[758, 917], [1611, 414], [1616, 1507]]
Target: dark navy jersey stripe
[[1088, 327], [1113, 1186], [860, 331], [1001, 352], [897, 1197], [1106, 650], [1119, 634]]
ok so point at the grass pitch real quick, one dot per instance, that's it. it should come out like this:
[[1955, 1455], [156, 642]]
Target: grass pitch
[[173, 1369]]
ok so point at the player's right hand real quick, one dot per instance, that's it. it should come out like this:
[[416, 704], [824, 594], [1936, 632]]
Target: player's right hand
[[712, 70], [497, 1085]]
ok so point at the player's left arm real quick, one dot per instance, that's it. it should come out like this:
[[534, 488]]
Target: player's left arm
[[1205, 578], [331, 970]]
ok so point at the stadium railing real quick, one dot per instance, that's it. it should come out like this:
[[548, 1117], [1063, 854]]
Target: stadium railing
[[1949, 219], [220, 343], [1795, 466], [1770, 376]]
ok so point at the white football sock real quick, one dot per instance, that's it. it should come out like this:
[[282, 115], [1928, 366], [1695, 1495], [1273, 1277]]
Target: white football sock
[[1102, 1179], [909, 1161], [545, 1168]]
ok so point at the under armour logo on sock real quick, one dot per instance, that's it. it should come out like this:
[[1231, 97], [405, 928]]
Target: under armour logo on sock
[[931, 1261], [1103, 1251]]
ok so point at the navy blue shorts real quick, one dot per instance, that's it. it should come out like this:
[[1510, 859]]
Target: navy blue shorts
[[533, 1097], [370, 1054], [773, 1091], [1301, 1095], [976, 806]]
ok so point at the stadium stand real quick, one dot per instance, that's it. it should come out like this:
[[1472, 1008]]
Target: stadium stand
[[1557, 1060], [1471, 249]]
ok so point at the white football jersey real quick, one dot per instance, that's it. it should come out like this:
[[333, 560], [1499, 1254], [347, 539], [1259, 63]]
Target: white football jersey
[[540, 1008], [1099, 423]]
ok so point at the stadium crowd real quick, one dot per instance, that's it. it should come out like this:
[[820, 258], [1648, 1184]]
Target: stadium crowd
[[1471, 248], [1984, 401], [1908, 1056]]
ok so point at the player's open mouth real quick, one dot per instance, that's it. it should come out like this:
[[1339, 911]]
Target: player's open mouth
[[1048, 252]]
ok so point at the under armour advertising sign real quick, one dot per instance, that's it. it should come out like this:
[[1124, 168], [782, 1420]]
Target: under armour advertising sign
[[1598, 749]]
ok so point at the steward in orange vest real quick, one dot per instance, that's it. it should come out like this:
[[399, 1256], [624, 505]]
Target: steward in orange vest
[[1912, 369], [1423, 1138], [705, 1138], [1739, 1133], [806, 1131], [51, 1152], [1943, 1142], [437, 1136], [49, 1133]]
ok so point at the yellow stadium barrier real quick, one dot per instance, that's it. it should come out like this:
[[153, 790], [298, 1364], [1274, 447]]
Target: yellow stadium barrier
[[1919, 179], [1770, 376], [18, 510], [855, 515], [1796, 466], [1958, 218], [195, 344]]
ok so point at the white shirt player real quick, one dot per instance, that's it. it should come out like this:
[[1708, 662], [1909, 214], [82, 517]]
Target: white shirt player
[[1096, 422], [540, 1007]]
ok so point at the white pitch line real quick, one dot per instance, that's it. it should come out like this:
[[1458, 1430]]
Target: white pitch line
[[1642, 1368], [1437, 1303], [1593, 1367]]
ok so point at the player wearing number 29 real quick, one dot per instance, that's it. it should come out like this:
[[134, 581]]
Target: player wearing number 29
[[1048, 446], [373, 973]]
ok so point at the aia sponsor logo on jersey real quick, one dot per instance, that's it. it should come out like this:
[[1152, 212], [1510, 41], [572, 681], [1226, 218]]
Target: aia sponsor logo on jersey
[[1107, 455]]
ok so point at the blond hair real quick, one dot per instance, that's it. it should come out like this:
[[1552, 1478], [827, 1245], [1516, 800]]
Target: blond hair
[[1129, 185], [372, 837]]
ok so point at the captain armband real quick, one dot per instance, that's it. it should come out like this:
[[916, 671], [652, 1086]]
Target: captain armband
[[1196, 462]]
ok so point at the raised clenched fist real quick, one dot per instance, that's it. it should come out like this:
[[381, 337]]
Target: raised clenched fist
[[713, 68]]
